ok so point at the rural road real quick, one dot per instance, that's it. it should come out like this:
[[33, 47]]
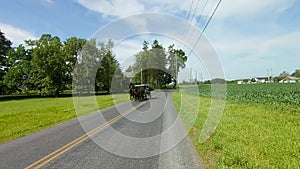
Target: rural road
[[67, 145]]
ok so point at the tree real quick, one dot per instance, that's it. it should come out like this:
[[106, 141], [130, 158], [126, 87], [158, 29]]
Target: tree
[[109, 68], [152, 62], [71, 49], [5, 46], [158, 65], [129, 69], [296, 73], [176, 60], [96, 67], [18, 76], [48, 65], [253, 80], [246, 80], [284, 74], [87, 67], [142, 65]]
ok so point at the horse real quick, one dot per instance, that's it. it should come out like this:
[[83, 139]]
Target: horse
[[131, 94], [138, 94]]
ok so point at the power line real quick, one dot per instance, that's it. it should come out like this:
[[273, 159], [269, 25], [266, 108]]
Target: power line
[[198, 19], [201, 13], [195, 10], [190, 20], [205, 26], [189, 14]]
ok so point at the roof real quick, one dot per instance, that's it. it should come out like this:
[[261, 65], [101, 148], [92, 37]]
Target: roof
[[291, 78], [263, 78]]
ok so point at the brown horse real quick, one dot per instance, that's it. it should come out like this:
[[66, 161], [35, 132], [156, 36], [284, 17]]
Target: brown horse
[[131, 94]]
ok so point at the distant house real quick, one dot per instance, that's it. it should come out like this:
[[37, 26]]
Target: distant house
[[290, 79], [255, 80], [263, 80], [240, 82], [243, 81]]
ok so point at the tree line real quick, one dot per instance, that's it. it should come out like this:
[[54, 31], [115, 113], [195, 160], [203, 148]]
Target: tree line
[[46, 66]]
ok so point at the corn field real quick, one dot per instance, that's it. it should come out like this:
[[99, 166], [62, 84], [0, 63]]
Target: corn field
[[273, 93]]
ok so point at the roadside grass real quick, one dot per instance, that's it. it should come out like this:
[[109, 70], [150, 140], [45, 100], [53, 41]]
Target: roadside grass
[[21, 117], [249, 135]]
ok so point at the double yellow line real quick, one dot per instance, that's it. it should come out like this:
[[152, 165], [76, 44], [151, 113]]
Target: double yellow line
[[50, 157]]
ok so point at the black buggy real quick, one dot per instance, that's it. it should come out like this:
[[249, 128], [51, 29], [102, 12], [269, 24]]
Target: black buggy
[[139, 92]]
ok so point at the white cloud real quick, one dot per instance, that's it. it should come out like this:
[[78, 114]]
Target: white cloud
[[117, 8], [16, 35], [121, 8], [242, 8], [252, 8]]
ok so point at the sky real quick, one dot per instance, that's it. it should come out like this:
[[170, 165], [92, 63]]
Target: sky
[[245, 38]]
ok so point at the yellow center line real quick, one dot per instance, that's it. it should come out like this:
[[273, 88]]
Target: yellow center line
[[50, 157]]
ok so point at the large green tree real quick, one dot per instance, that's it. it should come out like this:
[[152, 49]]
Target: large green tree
[[18, 76], [176, 61], [49, 73], [72, 48], [109, 68], [158, 65], [96, 67], [86, 68], [151, 62], [5, 46]]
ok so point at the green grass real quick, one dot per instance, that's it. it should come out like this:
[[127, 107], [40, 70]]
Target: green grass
[[249, 135], [21, 117]]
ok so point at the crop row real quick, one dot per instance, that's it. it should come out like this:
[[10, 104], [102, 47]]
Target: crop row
[[274, 93]]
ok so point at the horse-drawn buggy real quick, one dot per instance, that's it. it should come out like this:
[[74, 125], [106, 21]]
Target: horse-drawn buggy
[[139, 92]]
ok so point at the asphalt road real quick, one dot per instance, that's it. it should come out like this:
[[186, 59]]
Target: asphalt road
[[146, 134]]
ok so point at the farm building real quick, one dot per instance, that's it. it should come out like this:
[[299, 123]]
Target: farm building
[[290, 79], [240, 82], [255, 80], [243, 81], [263, 79]]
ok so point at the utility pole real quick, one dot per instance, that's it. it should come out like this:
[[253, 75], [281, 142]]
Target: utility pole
[[268, 75], [196, 77], [201, 77], [271, 75], [141, 75], [190, 76]]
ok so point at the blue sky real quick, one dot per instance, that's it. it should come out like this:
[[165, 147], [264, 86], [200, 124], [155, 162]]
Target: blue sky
[[249, 36]]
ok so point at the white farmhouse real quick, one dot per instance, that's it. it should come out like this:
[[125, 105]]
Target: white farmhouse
[[290, 79]]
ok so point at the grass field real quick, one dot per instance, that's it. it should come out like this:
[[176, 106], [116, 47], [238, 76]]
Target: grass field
[[21, 117], [252, 133]]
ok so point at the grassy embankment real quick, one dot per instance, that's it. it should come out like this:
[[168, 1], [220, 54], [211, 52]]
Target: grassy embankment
[[260, 127], [20, 117]]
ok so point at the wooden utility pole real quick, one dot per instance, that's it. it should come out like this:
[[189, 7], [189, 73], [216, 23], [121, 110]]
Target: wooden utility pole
[[141, 76]]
